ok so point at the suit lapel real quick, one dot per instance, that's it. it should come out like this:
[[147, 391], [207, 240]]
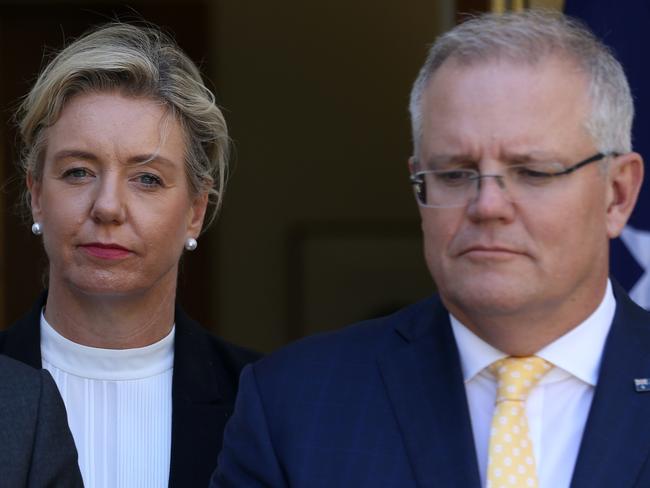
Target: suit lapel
[[425, 385], [616, 441], [201, 405]]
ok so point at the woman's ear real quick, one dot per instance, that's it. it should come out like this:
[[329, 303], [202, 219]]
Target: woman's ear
[[34, 187], [197, 214]]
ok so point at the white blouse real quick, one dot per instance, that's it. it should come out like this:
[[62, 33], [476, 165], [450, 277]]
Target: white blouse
[[119, 404]]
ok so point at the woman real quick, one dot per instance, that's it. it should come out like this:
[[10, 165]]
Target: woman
[[125, 158]]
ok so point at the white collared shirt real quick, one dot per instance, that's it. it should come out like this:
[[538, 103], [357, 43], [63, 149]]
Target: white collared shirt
[[557, 407]]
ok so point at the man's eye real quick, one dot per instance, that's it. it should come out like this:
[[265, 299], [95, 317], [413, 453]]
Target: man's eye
[[456, 177], [532, 174]]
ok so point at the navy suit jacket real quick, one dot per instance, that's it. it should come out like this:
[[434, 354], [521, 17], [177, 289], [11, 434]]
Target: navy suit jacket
[[204, 386], [382, 404]]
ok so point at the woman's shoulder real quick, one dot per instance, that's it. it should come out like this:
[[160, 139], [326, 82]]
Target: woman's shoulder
[[194, 340]]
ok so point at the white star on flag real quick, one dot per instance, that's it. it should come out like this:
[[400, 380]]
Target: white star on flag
[[638, 243]]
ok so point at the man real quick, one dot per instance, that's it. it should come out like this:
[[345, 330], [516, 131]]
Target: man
[[531, 367], [36, 447]]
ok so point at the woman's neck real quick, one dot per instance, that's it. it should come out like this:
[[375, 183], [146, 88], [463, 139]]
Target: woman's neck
[[111, 322]]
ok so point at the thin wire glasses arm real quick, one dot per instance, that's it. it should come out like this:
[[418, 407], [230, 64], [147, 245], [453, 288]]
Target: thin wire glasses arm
[[456, 186], [585, 162]]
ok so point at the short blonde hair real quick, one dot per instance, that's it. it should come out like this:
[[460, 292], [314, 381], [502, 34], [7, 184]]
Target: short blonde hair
[[138, 61]]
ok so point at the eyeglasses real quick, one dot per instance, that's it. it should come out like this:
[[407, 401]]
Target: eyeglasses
[[456, 187]]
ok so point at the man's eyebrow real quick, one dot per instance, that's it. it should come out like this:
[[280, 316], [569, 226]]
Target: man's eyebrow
[[531, 157], [437, 161], [441, 161]]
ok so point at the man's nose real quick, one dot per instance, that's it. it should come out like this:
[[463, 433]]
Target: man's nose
[[492, 199], [108, 205]]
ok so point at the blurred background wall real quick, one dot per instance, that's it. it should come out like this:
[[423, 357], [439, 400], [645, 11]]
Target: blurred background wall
[[319, 228]]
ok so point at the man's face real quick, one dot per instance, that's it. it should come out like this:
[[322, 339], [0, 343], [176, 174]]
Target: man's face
[[495, 257]]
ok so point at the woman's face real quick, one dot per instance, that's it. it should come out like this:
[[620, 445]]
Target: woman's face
[[114, 199]]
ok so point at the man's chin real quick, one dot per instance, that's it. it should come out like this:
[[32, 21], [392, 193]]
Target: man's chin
[[488, 296]]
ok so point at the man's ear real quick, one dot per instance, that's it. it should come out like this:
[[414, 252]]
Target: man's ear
[[624, 183], [197, 214], [34, 187]]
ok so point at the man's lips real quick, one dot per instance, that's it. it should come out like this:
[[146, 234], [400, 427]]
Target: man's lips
[[490, 251], [105, 251]]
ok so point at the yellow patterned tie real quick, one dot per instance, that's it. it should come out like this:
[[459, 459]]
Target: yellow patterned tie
[[511, 461]]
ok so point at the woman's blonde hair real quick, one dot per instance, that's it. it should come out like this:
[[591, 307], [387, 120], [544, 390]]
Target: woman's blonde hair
[[138, 61]]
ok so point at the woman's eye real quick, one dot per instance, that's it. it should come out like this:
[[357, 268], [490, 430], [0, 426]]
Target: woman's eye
[[149, 180], [76, 173]]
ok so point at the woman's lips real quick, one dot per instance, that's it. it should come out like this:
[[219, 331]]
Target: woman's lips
[[105, 251]]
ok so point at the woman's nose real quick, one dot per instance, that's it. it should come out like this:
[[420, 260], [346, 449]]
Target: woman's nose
[[108, 205]]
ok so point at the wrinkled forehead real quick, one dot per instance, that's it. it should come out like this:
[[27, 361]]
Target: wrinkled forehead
[[505, 102], [560, 63]]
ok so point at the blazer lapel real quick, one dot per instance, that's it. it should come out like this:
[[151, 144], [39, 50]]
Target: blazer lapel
[[425, 386], [616, 441], [201, 405]]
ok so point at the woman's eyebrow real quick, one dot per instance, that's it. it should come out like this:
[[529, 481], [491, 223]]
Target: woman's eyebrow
[[74, 154], [151, 158]]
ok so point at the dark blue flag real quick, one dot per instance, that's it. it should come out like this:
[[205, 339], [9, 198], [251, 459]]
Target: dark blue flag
[[624, 25]]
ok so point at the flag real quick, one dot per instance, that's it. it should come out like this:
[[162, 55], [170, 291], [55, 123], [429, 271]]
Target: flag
[[623, 26]]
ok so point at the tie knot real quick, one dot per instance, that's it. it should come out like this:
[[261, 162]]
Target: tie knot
[[517, 376]]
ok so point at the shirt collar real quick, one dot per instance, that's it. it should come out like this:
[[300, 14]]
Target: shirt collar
[[578, 352], [106, 364]]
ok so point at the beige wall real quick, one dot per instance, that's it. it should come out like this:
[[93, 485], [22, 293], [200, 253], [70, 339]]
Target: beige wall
[[551, 4], [319, 226], [501, 5]]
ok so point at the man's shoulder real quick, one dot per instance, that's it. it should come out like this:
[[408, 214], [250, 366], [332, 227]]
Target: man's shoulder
[[357, 345]]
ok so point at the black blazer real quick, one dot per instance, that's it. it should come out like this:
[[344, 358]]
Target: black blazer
[[32, 420], [204, 386]]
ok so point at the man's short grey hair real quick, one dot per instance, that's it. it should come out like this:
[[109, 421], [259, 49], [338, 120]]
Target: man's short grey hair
[[135, 61], [528, 38]]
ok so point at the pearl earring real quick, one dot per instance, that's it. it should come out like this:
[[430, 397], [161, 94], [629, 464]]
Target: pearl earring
[[37, 229], [191, 244]]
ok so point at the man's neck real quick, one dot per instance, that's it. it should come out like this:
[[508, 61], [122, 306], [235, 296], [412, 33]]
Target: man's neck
[[524, 332]]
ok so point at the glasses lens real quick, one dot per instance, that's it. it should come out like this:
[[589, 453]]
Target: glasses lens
[[531, 182], [444, 188]]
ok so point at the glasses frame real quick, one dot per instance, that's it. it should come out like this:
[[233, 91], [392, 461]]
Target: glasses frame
[[416, 178]]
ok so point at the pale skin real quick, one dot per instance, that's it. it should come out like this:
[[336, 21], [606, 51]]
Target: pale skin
[[114, 226], [521, 274]]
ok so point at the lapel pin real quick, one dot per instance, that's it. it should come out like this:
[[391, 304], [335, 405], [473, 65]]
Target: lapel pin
[[642, 384]]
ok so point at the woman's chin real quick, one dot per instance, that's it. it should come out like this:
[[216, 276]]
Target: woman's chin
[[108, 287]]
